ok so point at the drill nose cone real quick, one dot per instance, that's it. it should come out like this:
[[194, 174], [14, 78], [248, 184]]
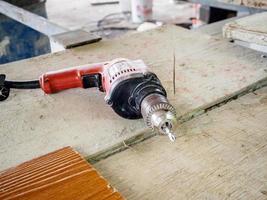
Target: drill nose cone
[[159, 115], [164, 121]]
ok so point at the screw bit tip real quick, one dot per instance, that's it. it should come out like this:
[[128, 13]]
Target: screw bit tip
[[170, 134]]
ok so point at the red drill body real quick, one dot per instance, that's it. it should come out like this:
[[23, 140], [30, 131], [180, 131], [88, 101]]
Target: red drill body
[[55, 81], [131, 90]]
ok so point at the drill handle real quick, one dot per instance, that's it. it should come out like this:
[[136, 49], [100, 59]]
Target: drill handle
[[84, 77]]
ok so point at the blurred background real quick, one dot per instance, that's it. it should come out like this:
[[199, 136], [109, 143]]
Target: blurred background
[[104, 18]]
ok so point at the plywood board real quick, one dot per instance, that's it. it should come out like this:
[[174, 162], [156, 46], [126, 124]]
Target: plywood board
[[220, 155], [251, 29], [249, 6], [207, 71], [62, 174], [262, 4]]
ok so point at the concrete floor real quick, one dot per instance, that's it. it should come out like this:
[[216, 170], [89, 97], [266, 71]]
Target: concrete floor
[[80, 13]]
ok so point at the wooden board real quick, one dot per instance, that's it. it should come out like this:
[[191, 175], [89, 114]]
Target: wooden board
[[207, 71], [262, 4], [251, 29], [62, 174], [220, 155], [248, 6]]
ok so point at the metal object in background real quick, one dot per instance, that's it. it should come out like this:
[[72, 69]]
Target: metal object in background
[[141, 10], [75, 38], [131, 90], [103, 2], [216, 10], [18, 41], [60, 35]]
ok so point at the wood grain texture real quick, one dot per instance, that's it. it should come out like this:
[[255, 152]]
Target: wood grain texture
[[62, 174], [208, 70], [258, 4], [251, 29], [255, 3], [220, 155]]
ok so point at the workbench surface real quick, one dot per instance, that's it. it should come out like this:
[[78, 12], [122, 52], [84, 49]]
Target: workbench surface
[[197, 70], [222, 155]]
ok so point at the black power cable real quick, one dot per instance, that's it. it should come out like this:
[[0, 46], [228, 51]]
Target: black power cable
[[6, 85], [34, 84]]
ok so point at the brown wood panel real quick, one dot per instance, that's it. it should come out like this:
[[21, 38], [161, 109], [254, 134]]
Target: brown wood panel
[[62, 174]]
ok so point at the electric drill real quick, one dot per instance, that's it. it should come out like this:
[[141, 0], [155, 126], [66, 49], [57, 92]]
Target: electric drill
[[131, 90]]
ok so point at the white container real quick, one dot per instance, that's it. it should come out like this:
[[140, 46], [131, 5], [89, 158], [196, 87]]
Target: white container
[[141, 10], [125, 5]]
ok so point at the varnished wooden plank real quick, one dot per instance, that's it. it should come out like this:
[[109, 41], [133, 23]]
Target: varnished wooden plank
[[68, 178], [208, 71], [219, 155]]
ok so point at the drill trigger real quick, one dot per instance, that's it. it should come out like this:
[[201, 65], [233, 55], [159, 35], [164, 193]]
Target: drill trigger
[[92, 80]]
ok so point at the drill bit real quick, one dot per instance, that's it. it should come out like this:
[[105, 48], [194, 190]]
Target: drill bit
[[168, 131]]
